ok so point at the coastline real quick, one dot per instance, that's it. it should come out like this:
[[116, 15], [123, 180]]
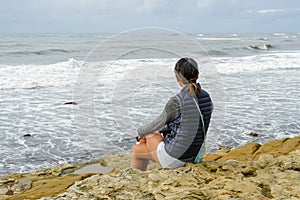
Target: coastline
[[252, 171]]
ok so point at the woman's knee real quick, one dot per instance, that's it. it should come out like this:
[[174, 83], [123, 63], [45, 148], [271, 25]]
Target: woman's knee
[[135, 149], [139, 148]]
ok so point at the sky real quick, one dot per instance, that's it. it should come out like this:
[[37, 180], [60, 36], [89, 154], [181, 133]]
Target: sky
[[113, 16]]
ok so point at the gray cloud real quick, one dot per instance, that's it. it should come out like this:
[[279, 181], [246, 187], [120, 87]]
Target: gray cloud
[[118, 15]]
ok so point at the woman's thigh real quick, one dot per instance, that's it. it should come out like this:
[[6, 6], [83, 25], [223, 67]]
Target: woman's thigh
[[148, 149], [141, 151], [152, 142]]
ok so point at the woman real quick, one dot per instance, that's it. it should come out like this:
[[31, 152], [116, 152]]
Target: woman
[[184, 120]]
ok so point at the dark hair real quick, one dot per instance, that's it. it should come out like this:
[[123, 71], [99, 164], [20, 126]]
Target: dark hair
[[186, 70]]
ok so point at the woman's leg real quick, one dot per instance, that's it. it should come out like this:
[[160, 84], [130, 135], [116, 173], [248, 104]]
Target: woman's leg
[[152, 141], [140, 156], [145, 151]]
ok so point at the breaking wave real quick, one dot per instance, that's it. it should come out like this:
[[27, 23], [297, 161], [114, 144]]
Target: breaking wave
[[261, 47], [40, 52]]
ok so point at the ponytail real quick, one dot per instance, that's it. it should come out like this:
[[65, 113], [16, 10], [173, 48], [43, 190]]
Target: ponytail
[[193, 88]]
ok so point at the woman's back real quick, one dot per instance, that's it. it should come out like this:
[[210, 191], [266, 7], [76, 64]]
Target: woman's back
[[187, 134]]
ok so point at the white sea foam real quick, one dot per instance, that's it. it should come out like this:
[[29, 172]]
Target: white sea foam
[[34, 76], [260, 62], [65, 73]]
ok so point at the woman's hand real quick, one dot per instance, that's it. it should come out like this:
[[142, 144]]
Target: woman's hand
[[140, 139]]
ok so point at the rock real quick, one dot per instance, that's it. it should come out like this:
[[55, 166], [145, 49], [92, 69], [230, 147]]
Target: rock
[[3, 189], [278, 147], [215, 156], [48, 187], [253, 134], [241, 173], [71, 102], [9, 192], [9, 182], [245, 187], [61, 169], [224, 149], [212, 157], [291, 162], [252, 150], [21, 185], [266, 160], [243, 153], [93, 168], [57, 170]]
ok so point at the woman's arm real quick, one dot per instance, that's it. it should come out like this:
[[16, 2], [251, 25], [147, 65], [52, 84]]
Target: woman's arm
[[170, 112]]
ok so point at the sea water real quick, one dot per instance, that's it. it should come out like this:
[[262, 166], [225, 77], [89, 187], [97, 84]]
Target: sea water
[[118, 86]]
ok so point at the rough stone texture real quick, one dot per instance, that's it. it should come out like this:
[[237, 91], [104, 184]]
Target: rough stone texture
[[3, 189], [252, 150], [48, 187], [43, 182], [253, 171], [242, 153], [279, 179], [21, 185]]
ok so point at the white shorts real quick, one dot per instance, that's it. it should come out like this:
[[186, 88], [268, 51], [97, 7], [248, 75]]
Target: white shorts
[[165, 159]]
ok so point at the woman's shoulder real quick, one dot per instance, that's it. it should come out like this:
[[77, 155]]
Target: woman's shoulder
[[203, 93], [174, 101]]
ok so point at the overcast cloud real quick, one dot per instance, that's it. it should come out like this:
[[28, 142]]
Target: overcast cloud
[[111, 16]]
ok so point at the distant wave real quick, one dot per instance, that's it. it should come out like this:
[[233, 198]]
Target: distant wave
[[218, 38], [40, 52], [261, 46], [261, 38], [213, 53], [15, 45], [278, 34], [218, 53], [270, 61], [39, 76], [239, 50]]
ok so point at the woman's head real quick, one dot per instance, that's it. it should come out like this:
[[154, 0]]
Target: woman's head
[[186, 70]]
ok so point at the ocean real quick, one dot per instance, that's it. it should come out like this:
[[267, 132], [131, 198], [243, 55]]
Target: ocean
[[121, 81]]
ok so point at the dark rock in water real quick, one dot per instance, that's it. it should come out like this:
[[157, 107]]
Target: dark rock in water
[[253, 134], [27, 135], [71, 102]]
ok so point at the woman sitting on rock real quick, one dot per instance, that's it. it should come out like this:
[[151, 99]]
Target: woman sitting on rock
[[184, 122]]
